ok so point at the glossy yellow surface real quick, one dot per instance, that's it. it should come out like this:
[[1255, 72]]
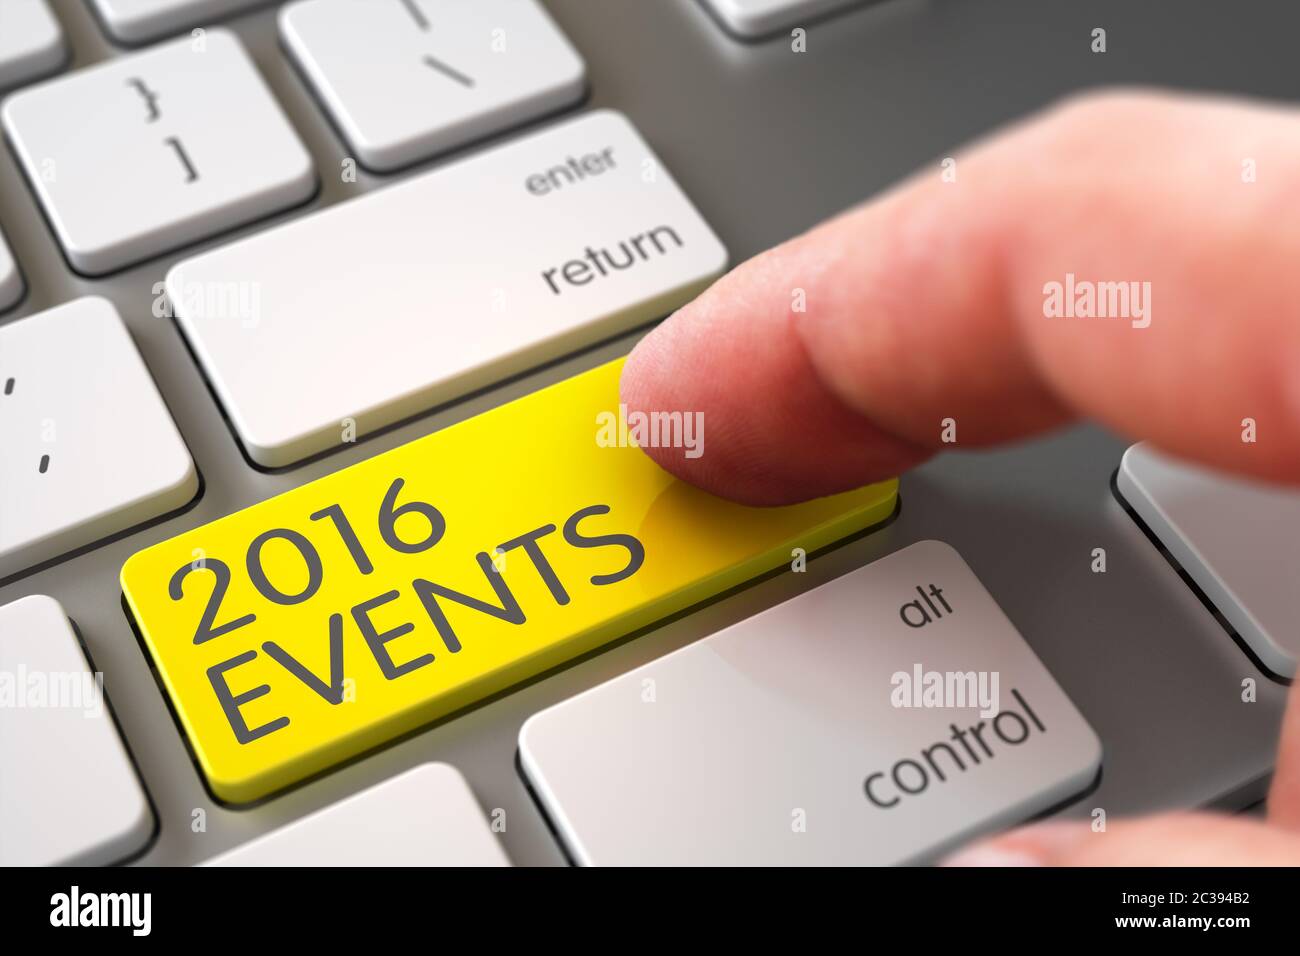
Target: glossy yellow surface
[[324, 640]]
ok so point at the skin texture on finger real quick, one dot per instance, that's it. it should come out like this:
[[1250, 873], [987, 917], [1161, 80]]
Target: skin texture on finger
[[928, 304], [1284, 792], [797, 419], [1180, 839]]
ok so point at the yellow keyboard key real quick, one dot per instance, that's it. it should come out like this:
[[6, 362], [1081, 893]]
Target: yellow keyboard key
[[322, 623]]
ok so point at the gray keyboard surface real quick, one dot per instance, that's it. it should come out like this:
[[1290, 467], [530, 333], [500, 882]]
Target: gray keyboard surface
[[766, 142]]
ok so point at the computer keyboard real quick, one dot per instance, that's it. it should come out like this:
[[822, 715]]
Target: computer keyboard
[[791, 736], [31, 42], [69, 794], [753, 19], [11, 281], [404, 82], [161, 123], [1239, 541], [72, 474], [139, 21], [560, 239], [389, 824], [355, 630], [284, 286]]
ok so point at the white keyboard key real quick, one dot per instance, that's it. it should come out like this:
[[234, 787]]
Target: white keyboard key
[[31, 41], [426, 816], [753, 19], [1238, 540], [11, 280], [137, 21], [373, 310], [405, 79], [89, 447], [69, 793], [784, 740], [153, 151]]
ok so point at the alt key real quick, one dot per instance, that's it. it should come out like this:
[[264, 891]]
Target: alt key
[[883, 718]]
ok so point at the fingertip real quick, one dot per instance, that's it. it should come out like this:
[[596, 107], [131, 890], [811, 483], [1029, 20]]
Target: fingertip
[[1039, 844], [989, 855], [772, 433], [642, 375]]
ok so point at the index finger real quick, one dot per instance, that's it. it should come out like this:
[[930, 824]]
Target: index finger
[[1113, 258]]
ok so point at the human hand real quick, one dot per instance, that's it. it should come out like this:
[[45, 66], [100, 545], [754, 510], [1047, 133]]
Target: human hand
[[929, 304]]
